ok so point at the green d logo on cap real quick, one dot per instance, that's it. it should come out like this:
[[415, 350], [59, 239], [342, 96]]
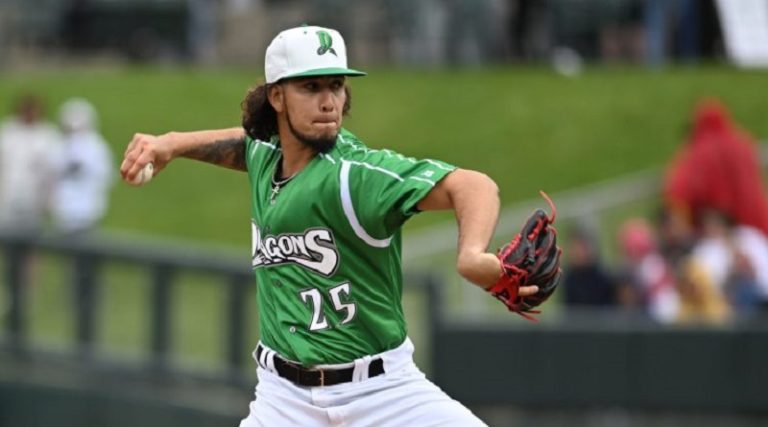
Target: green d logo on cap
[[326, 43]]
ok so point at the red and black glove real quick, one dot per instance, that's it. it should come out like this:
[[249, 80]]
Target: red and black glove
[[531, 258]]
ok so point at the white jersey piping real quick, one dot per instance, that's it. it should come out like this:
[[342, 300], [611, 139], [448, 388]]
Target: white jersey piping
[[349, 210], [417, 178]]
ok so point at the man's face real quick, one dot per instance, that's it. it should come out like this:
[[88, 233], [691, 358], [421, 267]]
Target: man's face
[[30, 112], [313, 108]]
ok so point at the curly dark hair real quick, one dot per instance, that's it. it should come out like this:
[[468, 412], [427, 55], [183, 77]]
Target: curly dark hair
[[259, 119]]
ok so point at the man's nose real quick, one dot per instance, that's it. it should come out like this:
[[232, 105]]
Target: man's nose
[[327, 103]]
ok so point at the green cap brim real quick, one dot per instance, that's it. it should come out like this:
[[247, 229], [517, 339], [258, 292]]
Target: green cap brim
[[326, 72]]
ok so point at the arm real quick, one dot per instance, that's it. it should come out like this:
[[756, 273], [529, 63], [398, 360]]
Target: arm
[[474, 197], [223, 147]]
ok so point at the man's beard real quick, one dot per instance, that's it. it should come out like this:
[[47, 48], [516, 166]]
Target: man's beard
[[319, 144]]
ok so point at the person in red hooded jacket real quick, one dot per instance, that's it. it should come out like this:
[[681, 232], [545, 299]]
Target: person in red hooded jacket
[[717, 169]]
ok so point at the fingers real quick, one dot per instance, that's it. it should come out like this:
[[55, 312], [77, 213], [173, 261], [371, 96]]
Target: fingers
[[526, 291], [130, 156], [140, 151]]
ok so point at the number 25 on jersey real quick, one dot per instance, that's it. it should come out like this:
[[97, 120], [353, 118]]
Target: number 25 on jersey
[[314, 298]]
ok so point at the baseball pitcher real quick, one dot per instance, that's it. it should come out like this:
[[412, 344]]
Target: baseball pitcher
[[326, 220]]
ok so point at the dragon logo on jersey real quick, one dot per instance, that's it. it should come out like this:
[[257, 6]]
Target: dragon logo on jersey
[[314, 249], [326, 43]]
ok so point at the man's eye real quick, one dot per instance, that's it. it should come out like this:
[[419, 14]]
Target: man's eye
[[310, 86]]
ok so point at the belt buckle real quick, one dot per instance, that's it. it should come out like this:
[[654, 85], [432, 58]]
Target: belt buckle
[[322, 377]]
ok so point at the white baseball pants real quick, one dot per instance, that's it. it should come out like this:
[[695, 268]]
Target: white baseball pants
[[401, 397]]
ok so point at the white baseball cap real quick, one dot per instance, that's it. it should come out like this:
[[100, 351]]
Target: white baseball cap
[[307, 51], [78, 114]]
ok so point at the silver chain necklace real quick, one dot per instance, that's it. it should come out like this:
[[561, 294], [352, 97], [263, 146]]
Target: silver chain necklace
[[278, 184]]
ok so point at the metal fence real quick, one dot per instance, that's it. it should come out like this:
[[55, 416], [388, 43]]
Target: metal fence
[[511, 370], [158, 378], [87, 257]]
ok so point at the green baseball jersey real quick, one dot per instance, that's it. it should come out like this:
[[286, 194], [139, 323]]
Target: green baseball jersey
[[326, 248]]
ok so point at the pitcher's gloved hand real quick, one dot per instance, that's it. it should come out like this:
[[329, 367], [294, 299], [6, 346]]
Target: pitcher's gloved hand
[[531, 258]]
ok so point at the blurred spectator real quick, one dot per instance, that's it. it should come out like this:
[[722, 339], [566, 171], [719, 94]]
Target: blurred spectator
[[403, 20], [718, 168], [529, 29], [667, 21], [734, 259], [84, 170], [469, 32], [751, 258], [74, 25], [621, 33], [586, 283], [714, 249], [648, 280], [202, 31], [676, 236], [700, 301], [28, 145]]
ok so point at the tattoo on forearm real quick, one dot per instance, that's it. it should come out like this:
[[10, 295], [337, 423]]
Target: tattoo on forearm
[[229, 153]]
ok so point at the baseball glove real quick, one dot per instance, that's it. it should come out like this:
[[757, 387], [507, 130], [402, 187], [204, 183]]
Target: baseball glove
[[531, 258]]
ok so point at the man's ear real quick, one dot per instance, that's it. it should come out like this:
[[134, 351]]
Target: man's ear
[[276, 96]]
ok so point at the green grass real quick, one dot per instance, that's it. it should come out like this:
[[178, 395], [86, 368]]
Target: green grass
[[528, 128]]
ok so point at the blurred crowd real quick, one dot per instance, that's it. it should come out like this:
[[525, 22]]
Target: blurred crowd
[[704, 258], [404, 32], [56, 176]]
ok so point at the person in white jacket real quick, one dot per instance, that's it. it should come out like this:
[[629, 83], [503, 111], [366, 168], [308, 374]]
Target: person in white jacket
[[28, 146], [85, 172]]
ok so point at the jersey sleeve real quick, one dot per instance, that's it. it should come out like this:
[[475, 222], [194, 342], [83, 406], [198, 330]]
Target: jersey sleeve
[[257, 152], [250, 147], [385, 188]]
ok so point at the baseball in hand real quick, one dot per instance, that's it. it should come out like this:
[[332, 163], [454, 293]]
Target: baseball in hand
[[144, 175]]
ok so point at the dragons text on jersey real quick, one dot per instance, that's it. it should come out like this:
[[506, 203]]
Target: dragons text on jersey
[[313, 249]]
